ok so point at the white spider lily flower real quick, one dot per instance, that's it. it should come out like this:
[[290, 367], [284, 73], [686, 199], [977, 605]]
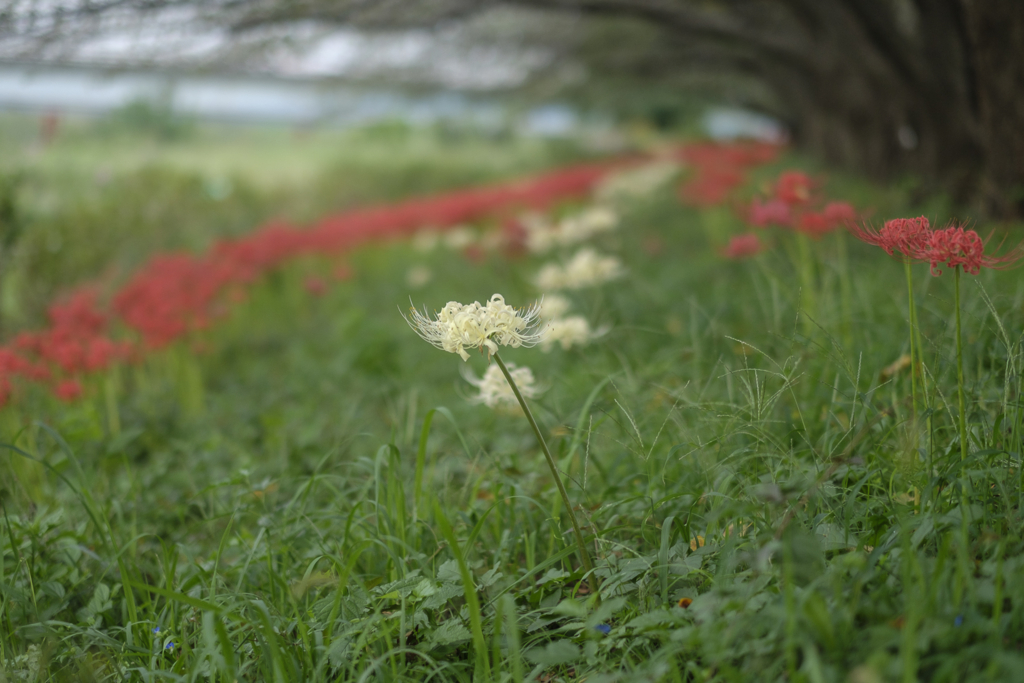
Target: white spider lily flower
[[459, 237], [541, 235], [586, 224], [586, 269], [418, 276], [495, 391], [459, 327], [550, 278], [568, 332], [553, 306]]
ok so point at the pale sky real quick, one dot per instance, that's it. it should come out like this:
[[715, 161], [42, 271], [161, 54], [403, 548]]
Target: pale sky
[[174, 37]]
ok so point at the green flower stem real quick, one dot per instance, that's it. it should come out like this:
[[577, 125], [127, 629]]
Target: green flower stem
[[588, 566], [915, 358], [960, 395], [914, 351], [845, 289], [807, 295], [925, 395]]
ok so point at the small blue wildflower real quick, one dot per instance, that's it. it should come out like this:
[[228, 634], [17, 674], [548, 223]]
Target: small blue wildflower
[[603, 628], [156, 629], [958, 622], [169, 645]]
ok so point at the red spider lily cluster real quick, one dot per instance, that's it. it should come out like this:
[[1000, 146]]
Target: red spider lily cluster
[[792, 206], [76, 343], [952, 246], [719, 169], [176, 294], [743, 246]]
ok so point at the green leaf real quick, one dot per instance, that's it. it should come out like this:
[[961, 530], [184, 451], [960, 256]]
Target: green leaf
[[489, 578], [424, 589], [570, 608], [450, 632], [553, 654], [337, 652], [443, 595], [98, 604], [652, 620], [449, 572], [553, 574]]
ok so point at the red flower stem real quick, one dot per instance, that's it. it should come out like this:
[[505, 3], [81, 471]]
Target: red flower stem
[[588, 566]]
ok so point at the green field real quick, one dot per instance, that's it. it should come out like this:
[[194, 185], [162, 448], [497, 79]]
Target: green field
[[308, 492]]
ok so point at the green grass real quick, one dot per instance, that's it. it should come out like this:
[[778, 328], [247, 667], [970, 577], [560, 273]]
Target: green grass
[[314, 497]]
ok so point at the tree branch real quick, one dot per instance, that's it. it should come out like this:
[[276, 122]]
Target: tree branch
[[687, 20]]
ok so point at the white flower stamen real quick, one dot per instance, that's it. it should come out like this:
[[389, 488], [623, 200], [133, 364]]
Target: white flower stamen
[[459, 327]]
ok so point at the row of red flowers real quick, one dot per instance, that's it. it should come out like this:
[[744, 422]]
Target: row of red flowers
[[175, 294]]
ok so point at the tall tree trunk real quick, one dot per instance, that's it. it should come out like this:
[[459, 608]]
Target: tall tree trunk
[[996, 30]]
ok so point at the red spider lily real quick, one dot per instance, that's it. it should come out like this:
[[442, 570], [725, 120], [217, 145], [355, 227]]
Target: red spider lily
[[794, 188], [954, 246], [100, 352], [711, 187], [815, 224], [13, 364], [772, 212], [840, 213], [909, 236], [825, 221], [78, 313], [719, 169], [68, 390], [743, 246]]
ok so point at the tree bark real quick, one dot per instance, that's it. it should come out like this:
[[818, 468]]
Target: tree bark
[[996, 34]]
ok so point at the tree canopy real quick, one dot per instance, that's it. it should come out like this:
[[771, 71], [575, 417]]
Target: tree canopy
[[888, 87]]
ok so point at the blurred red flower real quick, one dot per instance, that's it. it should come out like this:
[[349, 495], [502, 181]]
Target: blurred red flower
[[794, 188], [771, 212], [68, 390], [743, 246]]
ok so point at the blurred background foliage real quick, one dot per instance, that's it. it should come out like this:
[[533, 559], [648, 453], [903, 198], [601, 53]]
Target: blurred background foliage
[[108, 192]]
